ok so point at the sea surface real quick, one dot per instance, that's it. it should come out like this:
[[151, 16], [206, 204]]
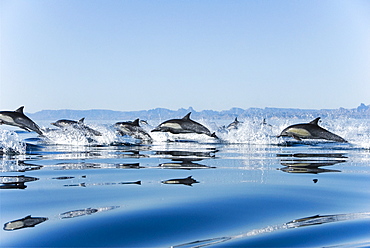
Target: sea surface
[[247, 189]]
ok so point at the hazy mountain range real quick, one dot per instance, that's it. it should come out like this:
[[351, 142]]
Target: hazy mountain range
[[362, 111]]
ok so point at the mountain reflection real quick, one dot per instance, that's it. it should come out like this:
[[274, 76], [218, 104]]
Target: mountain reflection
[[302, 222]]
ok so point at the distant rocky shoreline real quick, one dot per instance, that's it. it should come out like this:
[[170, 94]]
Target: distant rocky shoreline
[[361, 112]]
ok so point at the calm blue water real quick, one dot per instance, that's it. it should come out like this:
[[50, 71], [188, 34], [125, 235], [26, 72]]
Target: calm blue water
[[250, 190]]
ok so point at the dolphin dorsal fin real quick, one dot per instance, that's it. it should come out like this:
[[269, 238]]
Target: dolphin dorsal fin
[[187, 117], [236, 119], [81, 121], [316, 121], [20, 109], [136, 123]]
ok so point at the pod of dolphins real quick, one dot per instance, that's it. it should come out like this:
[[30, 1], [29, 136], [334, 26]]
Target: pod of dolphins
[[184, 125]]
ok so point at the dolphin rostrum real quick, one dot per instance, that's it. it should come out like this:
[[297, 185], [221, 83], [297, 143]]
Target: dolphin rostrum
[[133, 129], [19, 119], [184, 125], [310, 130]]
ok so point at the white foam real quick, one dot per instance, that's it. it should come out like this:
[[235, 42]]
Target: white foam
[[10, 143], [77, 137]]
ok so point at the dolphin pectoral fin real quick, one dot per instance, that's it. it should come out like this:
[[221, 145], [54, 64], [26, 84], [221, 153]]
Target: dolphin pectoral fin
[[296, 137]]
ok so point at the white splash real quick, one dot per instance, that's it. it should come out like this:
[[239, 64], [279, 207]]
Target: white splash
[[10, 143], [77, 137]]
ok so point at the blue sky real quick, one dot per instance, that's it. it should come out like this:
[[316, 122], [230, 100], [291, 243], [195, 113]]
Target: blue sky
[[137, 55]]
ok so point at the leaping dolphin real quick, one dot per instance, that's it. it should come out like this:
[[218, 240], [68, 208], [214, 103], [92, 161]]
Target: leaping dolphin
[[19, 119], [234, 124], [65, 123], [184, 125], [310, 130], [132, 128], [80, 125]]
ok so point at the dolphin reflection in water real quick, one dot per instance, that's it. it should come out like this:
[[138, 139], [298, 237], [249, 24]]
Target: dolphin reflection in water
[[186, 181], [15, 182], [30, 221], [25, 222], [310, 162]]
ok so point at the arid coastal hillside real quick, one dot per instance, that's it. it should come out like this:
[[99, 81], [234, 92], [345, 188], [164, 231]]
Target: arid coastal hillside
[[362, 111]]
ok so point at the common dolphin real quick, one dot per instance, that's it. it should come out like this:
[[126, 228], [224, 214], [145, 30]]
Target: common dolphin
[[19, 119], [133, 129], [80, 125], [184, 125], [65, 123], [234, 124], [310, 130]]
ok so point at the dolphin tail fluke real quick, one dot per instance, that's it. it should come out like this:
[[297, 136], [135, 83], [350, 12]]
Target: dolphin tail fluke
[[334, 137]]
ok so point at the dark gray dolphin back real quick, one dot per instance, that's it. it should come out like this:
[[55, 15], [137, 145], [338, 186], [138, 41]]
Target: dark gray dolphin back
[[323, 133]]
